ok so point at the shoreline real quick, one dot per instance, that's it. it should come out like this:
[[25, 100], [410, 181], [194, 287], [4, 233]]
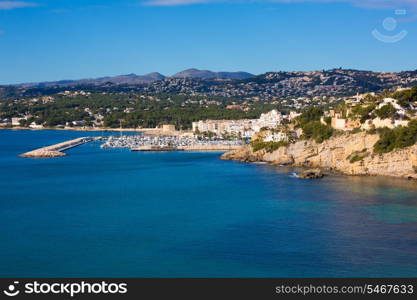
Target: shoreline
[[328, 172], [80, 129], [335, 155]]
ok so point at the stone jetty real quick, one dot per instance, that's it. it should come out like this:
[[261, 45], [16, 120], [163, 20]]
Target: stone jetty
[[57, 149]]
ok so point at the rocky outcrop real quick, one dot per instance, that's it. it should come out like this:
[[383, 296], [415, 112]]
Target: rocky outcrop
[[311, 174], [350, 154]]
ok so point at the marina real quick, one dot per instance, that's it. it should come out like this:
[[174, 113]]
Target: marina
[[171, 143], [140, 143]]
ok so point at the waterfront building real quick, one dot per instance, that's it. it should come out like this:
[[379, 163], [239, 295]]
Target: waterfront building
[[16, 121], [244, 128], [35, 126]]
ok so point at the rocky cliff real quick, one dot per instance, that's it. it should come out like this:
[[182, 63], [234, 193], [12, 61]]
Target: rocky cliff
[[350, 154]]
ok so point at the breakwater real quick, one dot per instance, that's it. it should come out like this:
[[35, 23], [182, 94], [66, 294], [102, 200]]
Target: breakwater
[[57, 149]]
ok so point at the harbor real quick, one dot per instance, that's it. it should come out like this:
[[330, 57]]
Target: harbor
[[140, 142]]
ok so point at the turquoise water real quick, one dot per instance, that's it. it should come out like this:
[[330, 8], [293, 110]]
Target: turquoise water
[[115, 213]]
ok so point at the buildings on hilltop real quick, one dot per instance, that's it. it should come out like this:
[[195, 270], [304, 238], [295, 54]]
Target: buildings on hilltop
[[346, 122]]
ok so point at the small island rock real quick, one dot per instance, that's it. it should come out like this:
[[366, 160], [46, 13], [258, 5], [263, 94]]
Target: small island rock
[[311, 174]]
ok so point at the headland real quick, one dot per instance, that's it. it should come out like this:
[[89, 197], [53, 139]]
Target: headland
[[349, 154]]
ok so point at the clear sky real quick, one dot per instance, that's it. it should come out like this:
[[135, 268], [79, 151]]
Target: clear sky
[[44, 40]]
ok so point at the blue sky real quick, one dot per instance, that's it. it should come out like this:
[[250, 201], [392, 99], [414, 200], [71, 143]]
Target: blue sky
[[44, 40]]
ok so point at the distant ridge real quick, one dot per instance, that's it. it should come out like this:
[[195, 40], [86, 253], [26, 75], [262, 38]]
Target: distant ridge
[[133, 79], [116, 80], [270, 85], [206, 74]]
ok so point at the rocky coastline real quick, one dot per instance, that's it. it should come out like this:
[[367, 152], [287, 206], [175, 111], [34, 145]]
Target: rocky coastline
[[349, 154]]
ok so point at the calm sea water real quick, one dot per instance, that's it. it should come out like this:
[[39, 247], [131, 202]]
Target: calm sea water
[[115, 213]]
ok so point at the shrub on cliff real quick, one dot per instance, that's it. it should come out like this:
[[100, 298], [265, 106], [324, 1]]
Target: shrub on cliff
[[268, 146], [317, 131], [357, 156], [312, 128], [363, 112], [405, 98], [386, 111], [311, 115], [397, 138]]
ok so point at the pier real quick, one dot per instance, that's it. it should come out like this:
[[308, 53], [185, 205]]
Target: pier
[[57, 149]]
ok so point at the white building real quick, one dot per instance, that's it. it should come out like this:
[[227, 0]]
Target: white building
[[16, 121], [271, 119], [35, 126], [293, 115], [276, 137]]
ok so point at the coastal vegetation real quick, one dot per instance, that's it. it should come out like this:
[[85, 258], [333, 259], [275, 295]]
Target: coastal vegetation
[[406, 97], [309, 122], [363, 111], [397, 138], [357, 156], [269, 147], [386, 111]]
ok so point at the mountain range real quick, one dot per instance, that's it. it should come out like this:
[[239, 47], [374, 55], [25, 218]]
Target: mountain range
[[133, 79], [267, 86]]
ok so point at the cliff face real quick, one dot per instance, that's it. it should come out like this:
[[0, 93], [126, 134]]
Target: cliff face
[[350, 154]]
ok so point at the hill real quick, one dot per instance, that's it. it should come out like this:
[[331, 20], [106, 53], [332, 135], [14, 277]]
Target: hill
[[206, 74]]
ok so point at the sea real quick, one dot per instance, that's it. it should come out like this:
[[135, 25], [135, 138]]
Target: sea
[[115, 213]]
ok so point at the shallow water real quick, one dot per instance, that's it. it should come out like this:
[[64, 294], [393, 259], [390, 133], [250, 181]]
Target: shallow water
[[115, 213]]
